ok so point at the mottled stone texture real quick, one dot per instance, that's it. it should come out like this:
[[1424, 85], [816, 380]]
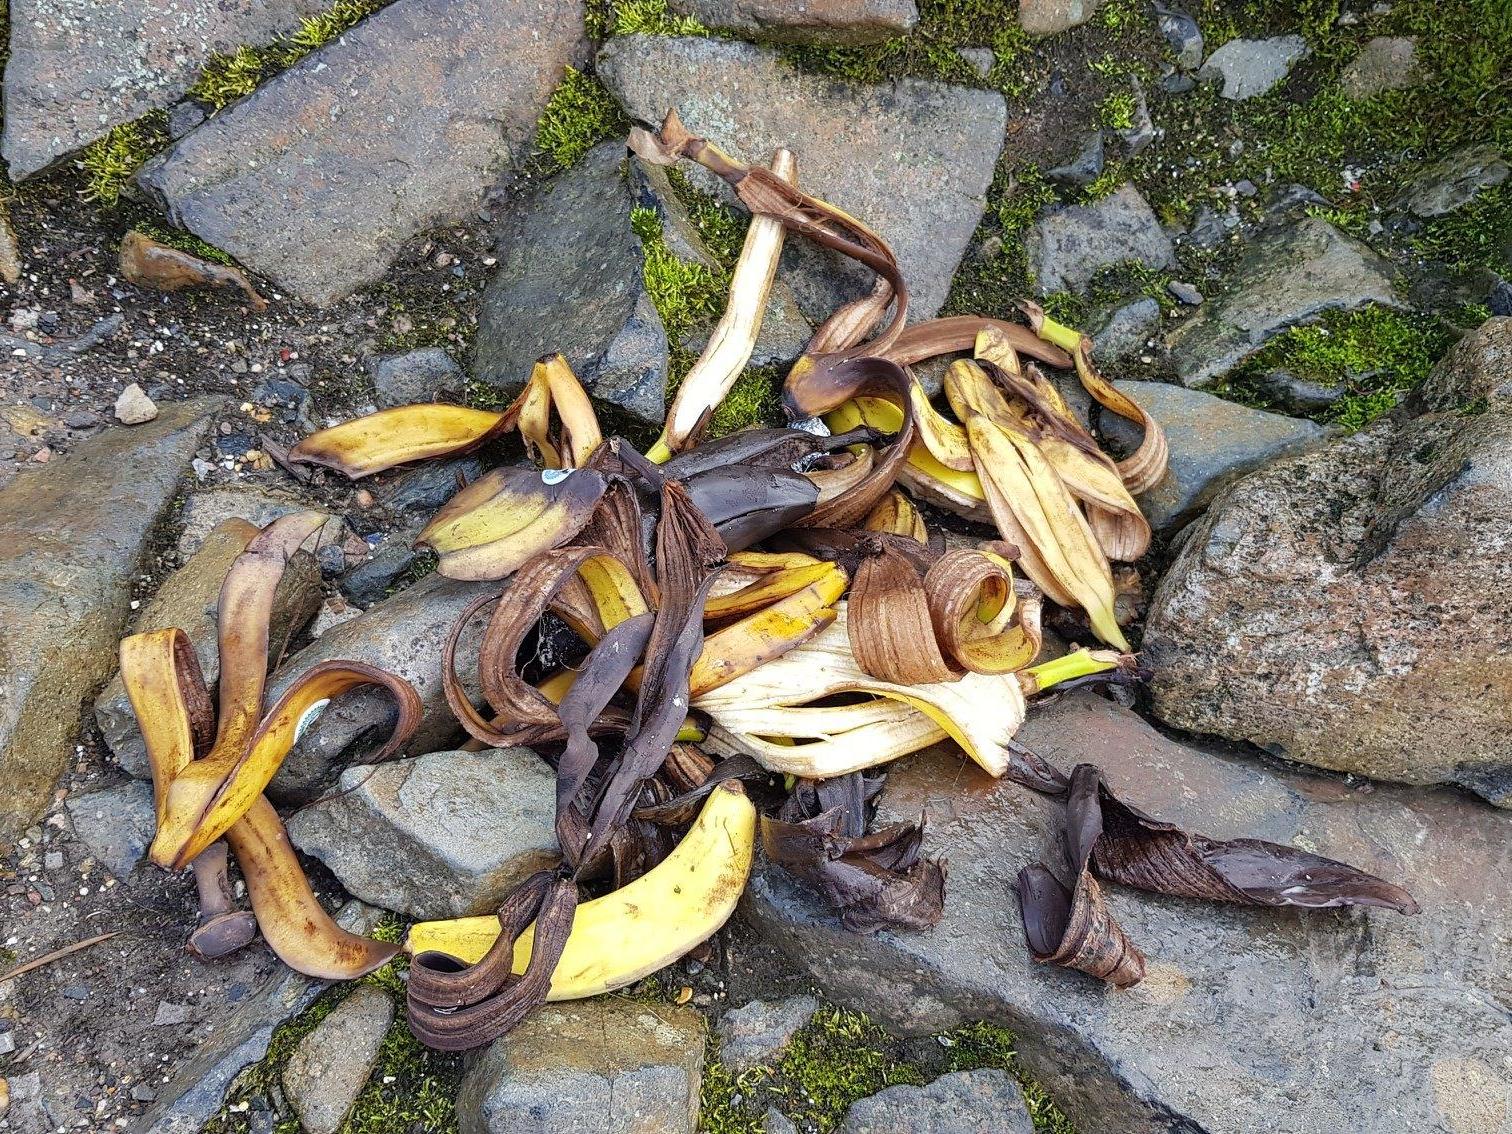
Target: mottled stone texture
[[1250, 1020], [79, 67], [913, 159], [1071, 244], [317, 178], [830, 23], [72, 538], [1352, 608]]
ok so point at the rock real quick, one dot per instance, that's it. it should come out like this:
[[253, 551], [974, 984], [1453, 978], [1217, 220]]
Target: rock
[[981, 60], [187, 600], [1207, 229], [830, 23], [376, 576], [116, 824], [1085, 167], [134, 407], [183, 117], [1183, 34], [415, 376], [405, 635], [1070, 244], [1213, 442], [1285, 277], [1500, 299], [1351, 608], [1385, 63], [606, 1064], [237, 1039], [1250, 67], [1299, 395], [318, 177], [207, 509], [756, 1034], [914, 159], [1047, 17], [437, 836], [1184, 292], [1126, 330], [331, 1065], [778, 1123], [72, 540], [966, 1102], [571, 279], [1360, 1022], [1141, 131], [76, 71], [1453, 182], [170, 1015], [10, 249], [416, 493]]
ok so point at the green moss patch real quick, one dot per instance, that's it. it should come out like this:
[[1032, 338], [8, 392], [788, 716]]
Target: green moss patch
[[579, 115], [607, 18], [108, 163]]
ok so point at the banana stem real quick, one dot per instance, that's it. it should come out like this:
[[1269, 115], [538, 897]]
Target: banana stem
[[659, 454], [1078, 663]]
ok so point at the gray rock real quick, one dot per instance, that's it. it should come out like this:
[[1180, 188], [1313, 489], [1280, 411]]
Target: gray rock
[[1126, 330], [1047, 17], [414, 376], [73, 535], [331, 1065], [1070, 244], [1183, 34], [208, 508], [437, 836], [837, 23], [1453, 182], [757, 1033], [1213, 442], [913, 158], [1206, 231], [381, 572], [980, 59], [416, 493], [1250, 67], [183, 117], [1300, 395], [318, 177], [1385, 63], [170, 1015], [187, 600], [76, 71], [405, 635], [1085, 167], [1360, 1022], [1184, 292], [966, 1102], [1141, 131], [237, 1039], [116, 824], [778, 1123], [606, 1065], [1351, 608], [570, 279], [1285, 277]]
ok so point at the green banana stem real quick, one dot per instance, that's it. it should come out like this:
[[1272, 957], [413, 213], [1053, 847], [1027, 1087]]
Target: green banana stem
[[1078, 663]]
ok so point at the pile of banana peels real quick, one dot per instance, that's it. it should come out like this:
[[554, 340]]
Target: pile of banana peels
[[721, 641]]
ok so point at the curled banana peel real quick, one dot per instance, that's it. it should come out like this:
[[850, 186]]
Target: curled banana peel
[[392, 437], [208, 774], [641, 927]]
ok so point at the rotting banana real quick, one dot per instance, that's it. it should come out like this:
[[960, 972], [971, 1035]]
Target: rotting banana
[[641, 927]]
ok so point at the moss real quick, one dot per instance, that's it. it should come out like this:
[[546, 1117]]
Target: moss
[[721, 229], [989, 282], [230, 75], [184, 242], [579, 114], [1116, 112], [1479, 235], [1376, 355], [607, 18], [108, 163], [685, 292]]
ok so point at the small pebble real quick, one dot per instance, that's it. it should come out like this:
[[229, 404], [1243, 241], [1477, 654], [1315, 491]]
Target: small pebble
[[1184, 293], [79, 991], [53, 860]]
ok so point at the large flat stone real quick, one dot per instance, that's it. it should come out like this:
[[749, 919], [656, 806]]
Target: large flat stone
[[188, 600], [317, 178], [1352, 607], [442, 835], [73, 535], [609, 1065], [827, 22], [1250, 1021], [77, 69], [913, 159], [1212, 441], [331, 1065], [1288, 276]]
